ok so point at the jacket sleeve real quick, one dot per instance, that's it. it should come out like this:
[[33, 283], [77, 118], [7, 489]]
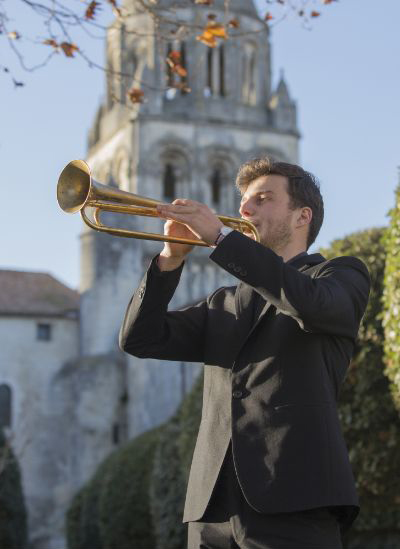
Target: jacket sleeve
[[333, 301], [150, 331]]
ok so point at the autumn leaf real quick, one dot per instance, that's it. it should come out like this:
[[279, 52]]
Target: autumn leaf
[[115, 8], [14, 35], [18, 84], [135, 95], [204, 2], [212, 31], [268, 16], [90, 12], [315, 14], [208, 39], [51, 42], [174, 62], [217, 30], [69, 49], [329, 1], [183, 87], [175, 56], [234, 23]]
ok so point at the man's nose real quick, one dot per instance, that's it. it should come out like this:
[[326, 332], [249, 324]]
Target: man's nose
[[246, 209]]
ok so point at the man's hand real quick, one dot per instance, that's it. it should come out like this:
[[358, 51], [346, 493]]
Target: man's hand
[[198, 222]]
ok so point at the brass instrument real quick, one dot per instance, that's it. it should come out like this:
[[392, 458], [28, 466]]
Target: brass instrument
[[77, 190]]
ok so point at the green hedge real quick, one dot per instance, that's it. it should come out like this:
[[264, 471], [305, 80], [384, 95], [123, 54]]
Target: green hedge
[[367, 412], [112, 511], [171, 471], [391, 294], [13, 518]]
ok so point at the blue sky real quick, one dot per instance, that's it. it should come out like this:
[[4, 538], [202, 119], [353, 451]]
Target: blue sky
[[344, 75]]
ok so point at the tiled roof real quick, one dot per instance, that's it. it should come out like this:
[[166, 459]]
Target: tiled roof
[[30, 293]]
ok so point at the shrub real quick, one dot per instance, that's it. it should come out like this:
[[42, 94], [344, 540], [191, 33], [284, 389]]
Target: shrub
[[171, 470], [367, 412], [391, 300], [112, 511], [13, 517]]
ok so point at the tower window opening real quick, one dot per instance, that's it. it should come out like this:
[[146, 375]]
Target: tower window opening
[[216, 186], [169, 181], [170, 74], [249, 88], [5, 405], [209, 86], [176, 60], [221, 71], [183, 80]]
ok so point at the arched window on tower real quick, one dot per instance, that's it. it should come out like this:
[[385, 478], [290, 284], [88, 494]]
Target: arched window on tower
[[221, 70], [5, 405], [249, 86], [169, 182], [176, 78], [216, 183], [215, 83]]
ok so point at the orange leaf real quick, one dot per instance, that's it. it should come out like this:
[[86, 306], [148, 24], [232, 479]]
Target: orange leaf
[[216, 29], [315, 14], [135, 95], [268, 16], [204, 2], [180, 70], [208, 40], [90, 12], [175, 55], [115, 8], [14, 35], [329, 1], [212, 31], [182, 86], [69, 49], [51, 42], [234, 23]]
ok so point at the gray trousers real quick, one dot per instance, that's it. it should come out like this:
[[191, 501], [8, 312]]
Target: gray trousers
[[229, 522]]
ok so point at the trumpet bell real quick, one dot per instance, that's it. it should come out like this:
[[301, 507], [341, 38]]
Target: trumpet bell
[[73, 188]]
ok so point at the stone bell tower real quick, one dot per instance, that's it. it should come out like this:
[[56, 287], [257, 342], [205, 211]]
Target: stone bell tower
[[186, 139]]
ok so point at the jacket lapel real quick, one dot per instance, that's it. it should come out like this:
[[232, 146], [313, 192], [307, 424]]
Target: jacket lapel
[[249, 313]]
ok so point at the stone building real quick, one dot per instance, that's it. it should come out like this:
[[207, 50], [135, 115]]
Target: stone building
[[174, 144], [39, 332]]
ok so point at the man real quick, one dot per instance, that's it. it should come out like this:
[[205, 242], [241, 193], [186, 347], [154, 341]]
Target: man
[[270, 468]]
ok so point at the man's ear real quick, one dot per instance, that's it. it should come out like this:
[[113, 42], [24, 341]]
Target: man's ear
[[305, 216]]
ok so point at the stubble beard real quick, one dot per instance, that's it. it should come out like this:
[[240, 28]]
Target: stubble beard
[[278, 235]]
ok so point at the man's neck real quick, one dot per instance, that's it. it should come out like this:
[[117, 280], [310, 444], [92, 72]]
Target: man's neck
[[288, 253]]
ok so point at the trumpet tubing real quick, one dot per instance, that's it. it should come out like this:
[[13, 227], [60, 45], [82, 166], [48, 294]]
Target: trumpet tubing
[[77, 190]]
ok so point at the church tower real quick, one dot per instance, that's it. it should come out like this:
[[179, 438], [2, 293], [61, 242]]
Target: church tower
[[186, 139]]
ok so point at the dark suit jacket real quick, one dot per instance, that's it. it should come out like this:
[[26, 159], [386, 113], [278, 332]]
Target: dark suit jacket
[[273, 369]]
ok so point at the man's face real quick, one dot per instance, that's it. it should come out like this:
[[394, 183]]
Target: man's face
[[266, 204]]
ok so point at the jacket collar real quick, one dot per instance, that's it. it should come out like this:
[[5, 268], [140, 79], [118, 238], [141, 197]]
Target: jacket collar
[[245, 294]]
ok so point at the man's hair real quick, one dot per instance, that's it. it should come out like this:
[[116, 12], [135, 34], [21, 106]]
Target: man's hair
[[303, 188]]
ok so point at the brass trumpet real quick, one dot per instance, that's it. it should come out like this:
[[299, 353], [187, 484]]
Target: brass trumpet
[[77, 190]]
